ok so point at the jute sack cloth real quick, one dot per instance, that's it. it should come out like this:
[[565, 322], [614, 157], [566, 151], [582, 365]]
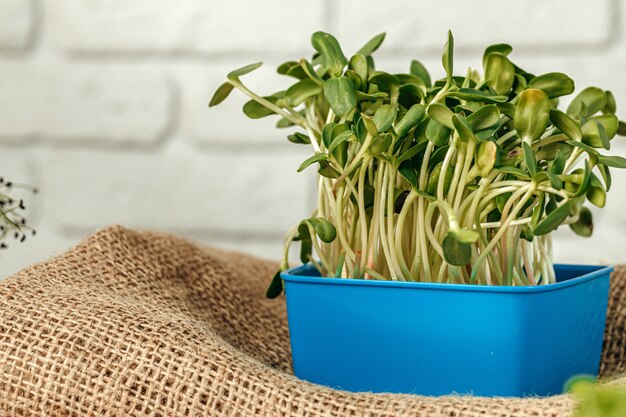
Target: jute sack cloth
[[136, 323]]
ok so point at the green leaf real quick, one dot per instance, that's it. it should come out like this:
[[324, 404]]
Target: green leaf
[[221, 93], [596, 194], [538, 211], [412, 117], [513, 157], [588, 102], [606, 175], [339, 128], [455, 252], [380, 144], [554, 84], [519, 85], [309, 71], [548, 152], [471, 94], [356, 81], [372, 97], [566, 124], [527, 233], [399, 201], [508, 109], [555, 181], [584, 147], [300, 91], [584, 225], [613, 161], [583, 185], [621, 129], [485, 159], [437, 133], [292, 69], [385, 82], [358, 63], [339, 93], [325, 170], [276, 286], [433, 180], [447, 57], [410, 94], [417, 68], [255, 110], [306, 244], [285, 66], [412, 79], [372, 45], [425, 195], [297, 72], [408, 172], [370, 126], [284, 123], [235, 74], [331, 56], [611, 105], [529, 159], [463, 128], [553, 220], [438, 155], [324, 229], [501, 48], [344, 136], [558, 164], [591, 132], [532, 113], [499, 73], [501, 201], [299, 138], [441, 114], [318, 157], [414, 150], [484, 117], [384, 117], [606, 144], [514, 171], [327, 133]]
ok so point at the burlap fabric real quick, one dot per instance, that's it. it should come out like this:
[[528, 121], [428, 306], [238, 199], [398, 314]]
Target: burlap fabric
[[144, 324]]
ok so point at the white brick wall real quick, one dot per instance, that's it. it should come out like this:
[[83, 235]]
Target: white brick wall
[[422, 26], [189, 27], [103, 105], [16, 24], [84, 105]]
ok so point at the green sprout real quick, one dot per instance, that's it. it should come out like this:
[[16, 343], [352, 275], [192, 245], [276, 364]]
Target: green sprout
[[461, 180], [597, 400]]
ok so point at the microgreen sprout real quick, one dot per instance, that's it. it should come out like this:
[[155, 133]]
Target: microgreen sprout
[[595, 399], [460, 180]]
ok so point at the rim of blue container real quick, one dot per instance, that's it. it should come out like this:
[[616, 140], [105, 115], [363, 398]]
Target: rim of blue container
[[292, 275]]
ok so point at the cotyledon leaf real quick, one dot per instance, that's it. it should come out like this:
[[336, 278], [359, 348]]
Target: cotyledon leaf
[[340, 94]]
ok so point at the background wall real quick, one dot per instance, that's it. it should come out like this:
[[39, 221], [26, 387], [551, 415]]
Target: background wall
[[103, 105]]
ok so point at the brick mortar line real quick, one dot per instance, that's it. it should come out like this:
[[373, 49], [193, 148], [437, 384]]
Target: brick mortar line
[[182, 57]]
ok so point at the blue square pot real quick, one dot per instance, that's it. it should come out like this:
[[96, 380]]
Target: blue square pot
[[437, 339]]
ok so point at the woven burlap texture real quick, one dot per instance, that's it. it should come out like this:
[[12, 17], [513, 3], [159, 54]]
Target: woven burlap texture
[[146, 324]]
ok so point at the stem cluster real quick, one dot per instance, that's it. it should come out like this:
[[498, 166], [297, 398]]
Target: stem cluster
[[459, 180]]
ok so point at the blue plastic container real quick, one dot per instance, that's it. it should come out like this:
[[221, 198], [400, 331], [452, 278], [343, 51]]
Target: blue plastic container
[[436, 339]]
